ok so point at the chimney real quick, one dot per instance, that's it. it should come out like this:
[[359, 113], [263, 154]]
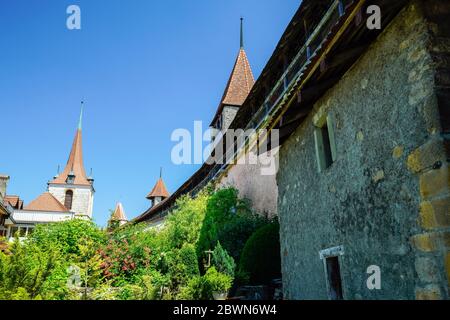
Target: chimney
[[4, 179]]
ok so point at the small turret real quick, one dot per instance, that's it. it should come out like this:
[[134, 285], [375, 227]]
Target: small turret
[[118, 217], [159, 192]]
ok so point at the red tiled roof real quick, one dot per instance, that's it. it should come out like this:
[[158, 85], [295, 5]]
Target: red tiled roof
[[12, 200], [239, 85], [119, 213], [74, 164], [46, 202], [159, 190]]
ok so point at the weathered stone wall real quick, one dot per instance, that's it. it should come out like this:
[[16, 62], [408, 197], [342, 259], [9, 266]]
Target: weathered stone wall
[[261, 189], [3, 184], [228, 114], [369, 199]]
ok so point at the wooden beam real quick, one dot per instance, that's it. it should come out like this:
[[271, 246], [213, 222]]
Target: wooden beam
[[346, 55]]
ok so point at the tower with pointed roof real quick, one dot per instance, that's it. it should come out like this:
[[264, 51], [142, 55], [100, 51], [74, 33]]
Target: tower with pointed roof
[[73, 188], [118, 217], [238, 87], [159, 191]]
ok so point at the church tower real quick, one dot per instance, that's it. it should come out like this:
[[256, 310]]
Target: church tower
[[73, 188], [238, 87]]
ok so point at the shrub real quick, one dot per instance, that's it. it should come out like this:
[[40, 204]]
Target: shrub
[[261, 255], [24, 272], [184, 223], [202, 288], [215, 281], [67, 235], [181, 265], [222, 261], [229, 220], [195, 290], [234, 234]]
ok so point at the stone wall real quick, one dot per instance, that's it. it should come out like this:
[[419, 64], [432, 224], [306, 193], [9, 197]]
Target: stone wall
[[3, 185], [372, 199], [430, 163], [228, 114], [260, 189]]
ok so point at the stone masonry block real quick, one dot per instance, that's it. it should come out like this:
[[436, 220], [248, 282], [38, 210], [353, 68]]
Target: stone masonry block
[[435, 213], [427, 155], [434, 182], [430, 292]]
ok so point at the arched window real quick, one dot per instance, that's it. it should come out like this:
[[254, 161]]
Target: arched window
[[68, 199]]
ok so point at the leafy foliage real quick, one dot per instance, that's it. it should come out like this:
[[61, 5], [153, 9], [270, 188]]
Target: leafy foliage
[[228, 220], [24, 272], [217, 282], [184, 224], [222, 261], [260, 259], [67, 235], [77, 260]]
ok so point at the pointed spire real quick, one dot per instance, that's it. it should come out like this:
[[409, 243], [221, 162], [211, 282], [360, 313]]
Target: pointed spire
[[242, 33], [159, 190], [239, 84], [81, 116], [119, 213], [74, 169]]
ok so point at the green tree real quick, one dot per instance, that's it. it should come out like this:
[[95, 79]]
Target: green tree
[[24, 271], [222, 261]]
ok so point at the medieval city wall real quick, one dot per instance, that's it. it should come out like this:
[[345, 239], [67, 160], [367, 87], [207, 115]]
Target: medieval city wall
[[260, 189], [369, 200]]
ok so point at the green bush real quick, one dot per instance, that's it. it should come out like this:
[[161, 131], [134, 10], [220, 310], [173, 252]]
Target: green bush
[[260, 259], [216, 282], [67, 235], [180, 265], [195, 290], [222, 261], [24, 272], [229, 220], [234, 234], [202, 288], [184, 223]]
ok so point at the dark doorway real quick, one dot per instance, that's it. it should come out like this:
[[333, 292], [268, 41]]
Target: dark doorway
[[334, 278]]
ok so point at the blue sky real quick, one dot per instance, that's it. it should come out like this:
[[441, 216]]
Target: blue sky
[[144, 68]]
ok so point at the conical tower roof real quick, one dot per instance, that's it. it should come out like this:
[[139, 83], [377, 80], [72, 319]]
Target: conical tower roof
[[119, 213], [159, 190], [75, 162], [239, 84]]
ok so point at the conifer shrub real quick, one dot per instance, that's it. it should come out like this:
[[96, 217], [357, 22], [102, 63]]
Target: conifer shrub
[[222, 261], [260, 260]]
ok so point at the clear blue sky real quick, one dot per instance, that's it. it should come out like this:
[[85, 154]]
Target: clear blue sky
[[144, 68]]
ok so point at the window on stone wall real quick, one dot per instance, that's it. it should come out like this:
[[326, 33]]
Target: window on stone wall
[[68, 199], [334, 278], [331, 262], [325, 144]]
